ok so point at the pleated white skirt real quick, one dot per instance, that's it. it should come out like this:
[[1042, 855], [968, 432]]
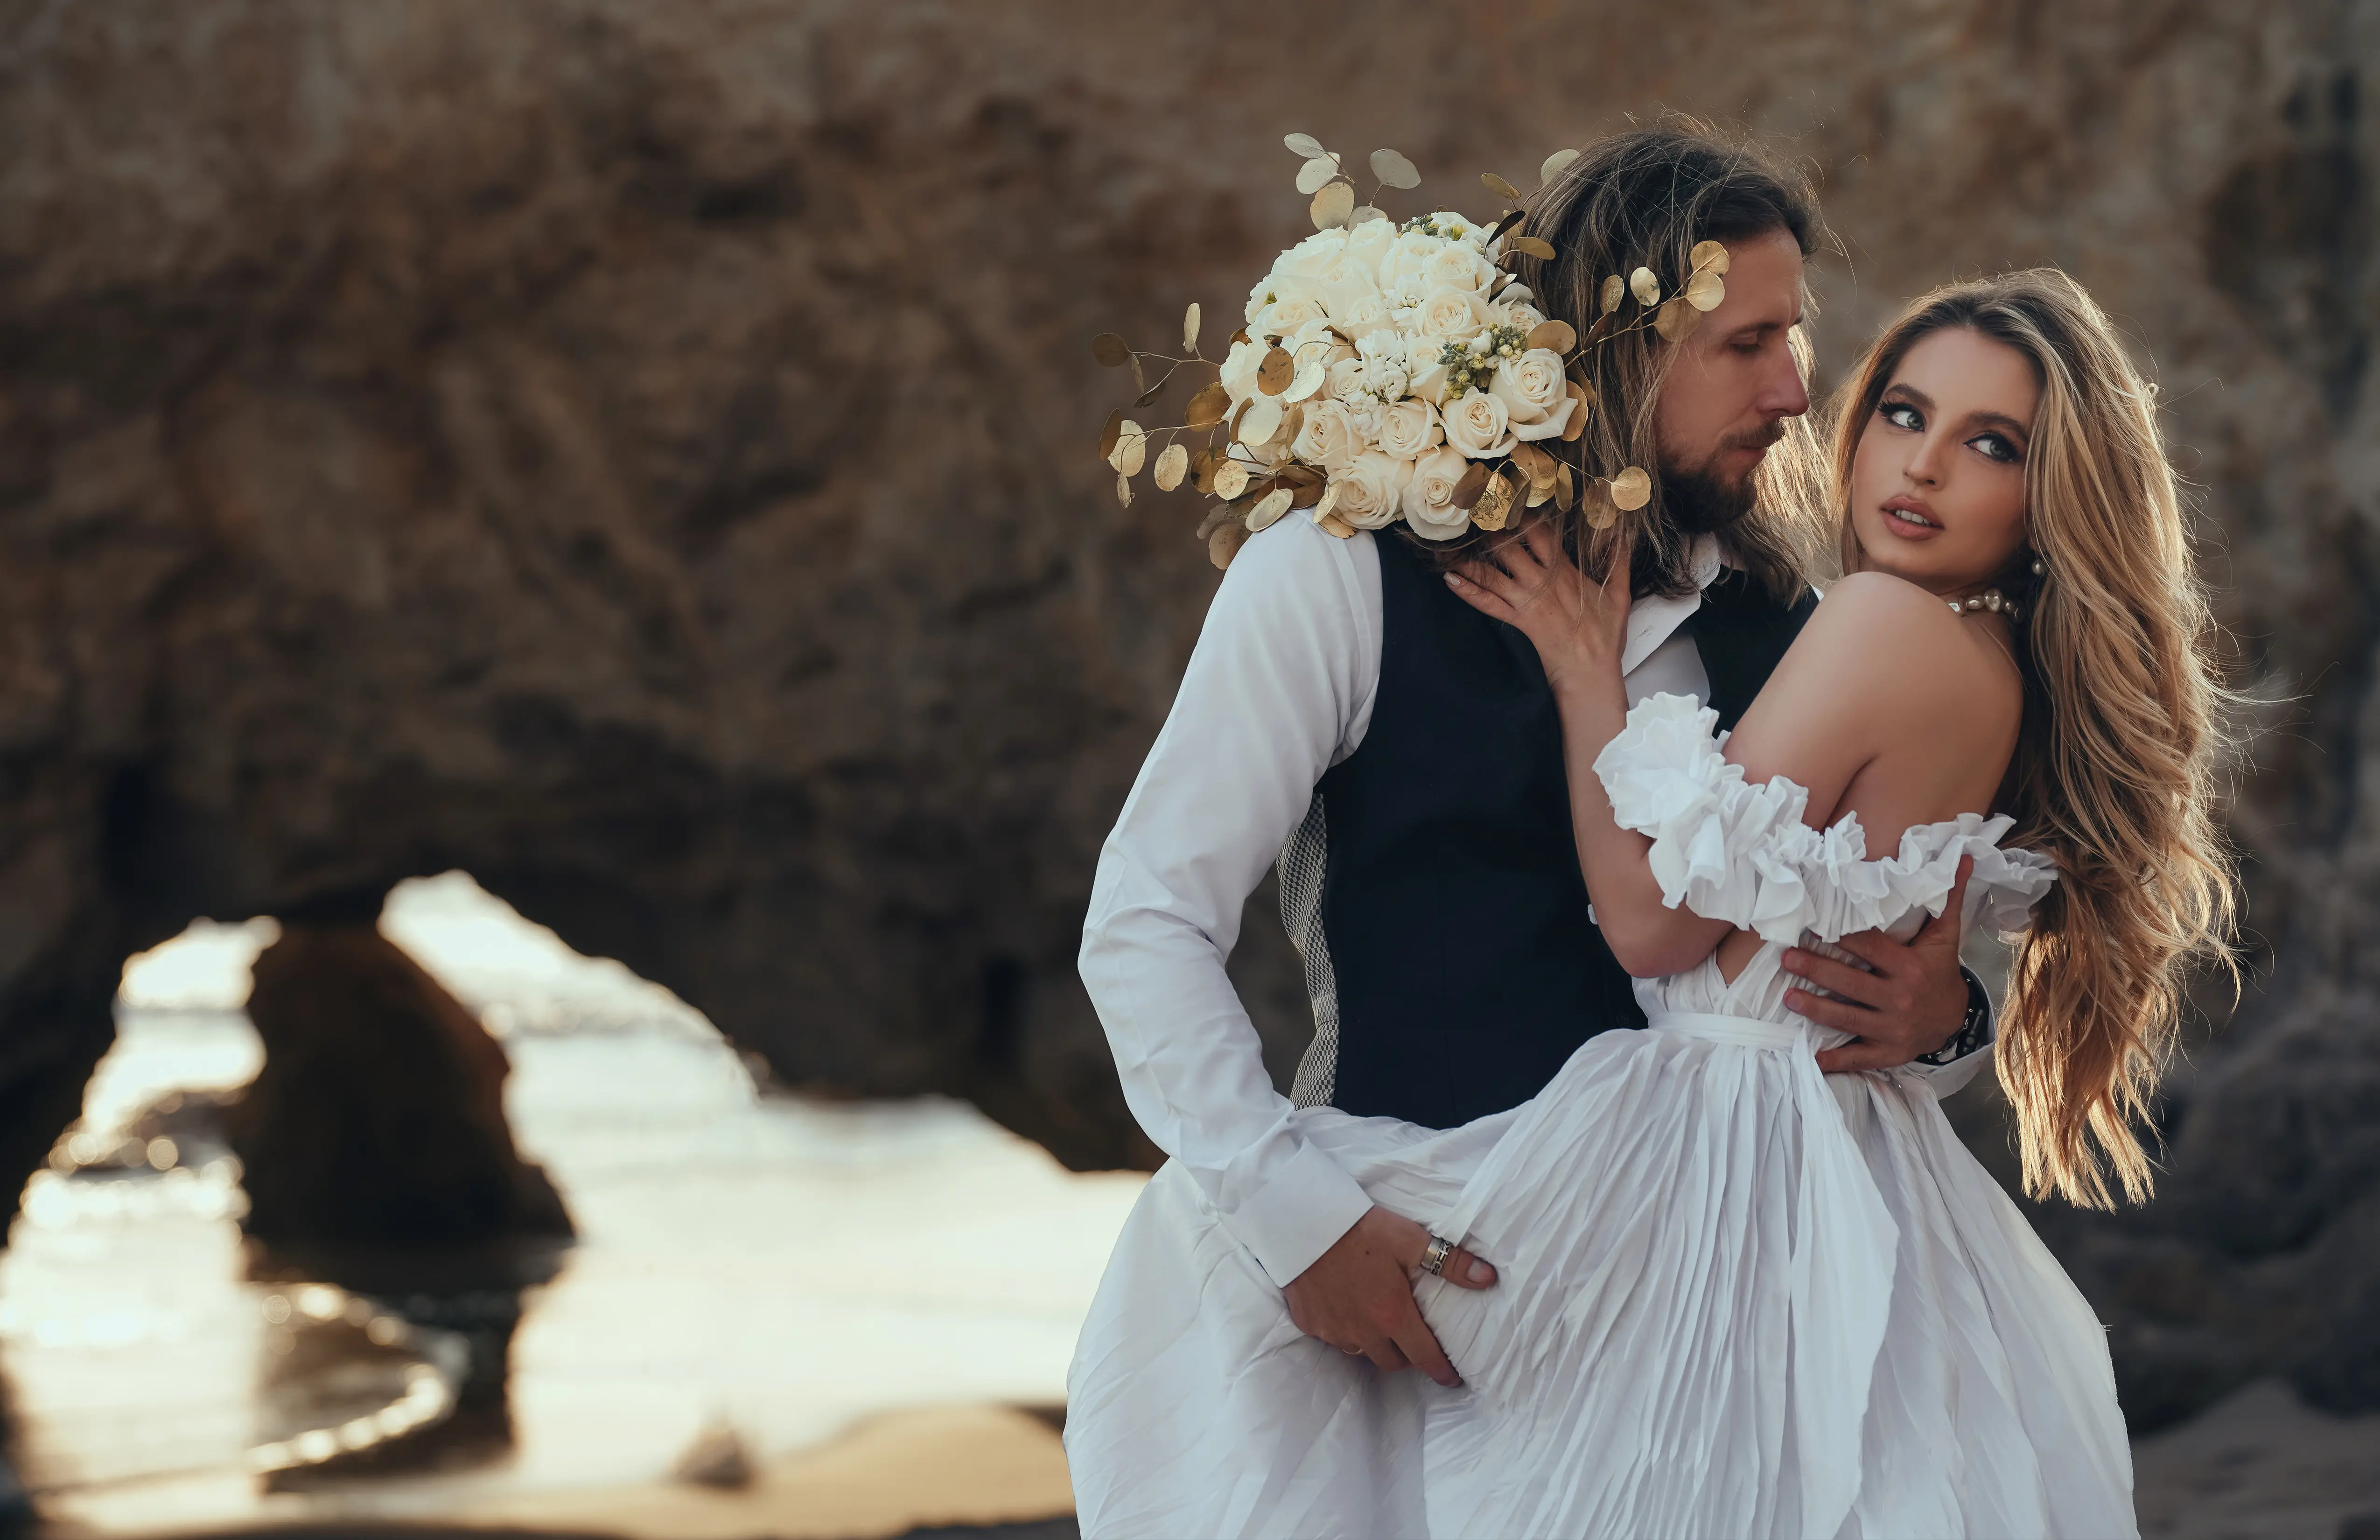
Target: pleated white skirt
[[1737, 1298]]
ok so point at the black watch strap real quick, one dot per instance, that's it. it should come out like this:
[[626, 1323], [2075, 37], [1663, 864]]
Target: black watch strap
[[1973, 1032]]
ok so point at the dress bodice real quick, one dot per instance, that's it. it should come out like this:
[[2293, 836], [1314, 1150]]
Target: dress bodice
[[1738, 850]]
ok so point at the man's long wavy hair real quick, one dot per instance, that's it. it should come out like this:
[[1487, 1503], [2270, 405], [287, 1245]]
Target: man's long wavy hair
[[2122, 748], [1646, 198]]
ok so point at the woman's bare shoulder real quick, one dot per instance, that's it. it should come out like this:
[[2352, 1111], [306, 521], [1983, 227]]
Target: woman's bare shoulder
[[1896, 644]]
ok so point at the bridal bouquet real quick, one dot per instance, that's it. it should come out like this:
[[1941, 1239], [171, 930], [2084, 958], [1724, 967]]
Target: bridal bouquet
[[1394, 370]]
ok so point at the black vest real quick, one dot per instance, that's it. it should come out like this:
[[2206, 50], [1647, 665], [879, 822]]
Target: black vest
[[1465, 967]]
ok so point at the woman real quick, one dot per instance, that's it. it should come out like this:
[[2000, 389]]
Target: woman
[[1737, 1297]]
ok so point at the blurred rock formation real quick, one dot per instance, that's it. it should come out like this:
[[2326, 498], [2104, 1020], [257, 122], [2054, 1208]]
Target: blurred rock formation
[[641, 455], [379, 1117]]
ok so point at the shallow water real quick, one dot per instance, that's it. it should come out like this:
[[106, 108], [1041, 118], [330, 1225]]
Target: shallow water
[[786, 1266]]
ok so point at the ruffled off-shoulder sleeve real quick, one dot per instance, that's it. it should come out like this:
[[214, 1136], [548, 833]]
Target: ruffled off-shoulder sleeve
[[1739, 851]]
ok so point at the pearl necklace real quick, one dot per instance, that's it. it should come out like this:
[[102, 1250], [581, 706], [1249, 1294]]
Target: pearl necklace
[[1990, 599]]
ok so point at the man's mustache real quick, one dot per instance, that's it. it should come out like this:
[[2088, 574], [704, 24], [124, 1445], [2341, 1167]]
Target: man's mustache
[[1760, 438]]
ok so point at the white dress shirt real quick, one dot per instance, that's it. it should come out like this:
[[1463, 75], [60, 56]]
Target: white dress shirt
[[1278, 689]]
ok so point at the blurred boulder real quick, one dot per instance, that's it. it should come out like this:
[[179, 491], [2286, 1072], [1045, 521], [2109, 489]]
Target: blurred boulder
[[378, 1117], [641, 455]]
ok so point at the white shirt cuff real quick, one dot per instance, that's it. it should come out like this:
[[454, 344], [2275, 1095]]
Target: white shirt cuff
[[1298, 1215]]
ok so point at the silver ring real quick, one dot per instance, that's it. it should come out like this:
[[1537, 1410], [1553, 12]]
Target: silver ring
[[1433, 1257], [1353, 1352]]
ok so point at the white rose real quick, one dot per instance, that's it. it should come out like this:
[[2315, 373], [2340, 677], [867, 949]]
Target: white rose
[[1361, 315], [1409, 429], [1328, 437], [1479, 426], [1309, 257], [1382, 356], [1371, 489], [1457, 266], [1313, 343], [1428, 502], [1289, 312], [1521, 316], [1368, 243], [1530, 386], [1401, 269], [1450, 312], [1240, 365]]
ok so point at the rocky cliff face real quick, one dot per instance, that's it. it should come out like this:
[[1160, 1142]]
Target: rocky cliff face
[[641, 455]]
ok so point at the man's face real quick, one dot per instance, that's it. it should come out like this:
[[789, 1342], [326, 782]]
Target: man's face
[[1733, 386]]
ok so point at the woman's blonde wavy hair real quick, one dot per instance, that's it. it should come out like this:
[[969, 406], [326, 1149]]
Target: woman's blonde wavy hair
[[2117, 763]]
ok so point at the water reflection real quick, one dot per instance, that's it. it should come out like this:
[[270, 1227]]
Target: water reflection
[[782, 1266]]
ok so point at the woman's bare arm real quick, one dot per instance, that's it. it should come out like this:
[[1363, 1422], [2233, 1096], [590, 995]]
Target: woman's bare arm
[[1882, 669]]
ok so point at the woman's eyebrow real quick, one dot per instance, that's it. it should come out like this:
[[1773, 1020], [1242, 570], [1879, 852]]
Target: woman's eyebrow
[[1910, 394], [2001, 420]]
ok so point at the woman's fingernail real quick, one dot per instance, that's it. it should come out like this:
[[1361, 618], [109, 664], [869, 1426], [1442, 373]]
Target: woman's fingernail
[[1481, 1272]]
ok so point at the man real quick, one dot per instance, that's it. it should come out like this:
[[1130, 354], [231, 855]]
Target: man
[[1401, 754]]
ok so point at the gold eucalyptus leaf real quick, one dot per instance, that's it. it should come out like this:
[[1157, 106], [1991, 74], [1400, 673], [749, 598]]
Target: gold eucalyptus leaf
[[1331, 524], [1393, 170], [1365, 216], [1553, 335], [1326, 502], [1124, 490], [1630, 489], [1110, 350], [1707, 256], [1539, 496], [1313, 173], [1495, 505], [1276, 371], [1705, 289], [1202, 475], [1511, 217], [1307, 494], [1676, 319], [1500, 187], [1598, 513], [1584, 398], [1644, 287], [1293, 418], [1206, 407], [1475, 481], [1131, 450], [1554, 163], [1190, 328], [1530, 246], [1225, 542], [1218, 514], [1601, 328], [1111, 431], [1333, 205], [1231, 479], [1260, 422], [1304, 144], [1310, 377], [1565, 490], [1139, 380], [1171, 466], [1269, 508], [1613, 290]]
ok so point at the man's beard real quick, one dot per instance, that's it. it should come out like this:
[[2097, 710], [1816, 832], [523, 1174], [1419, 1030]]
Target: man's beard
[[1699, 503]]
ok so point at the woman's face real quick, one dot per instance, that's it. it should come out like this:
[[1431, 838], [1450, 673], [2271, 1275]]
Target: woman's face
[[1938, 482]]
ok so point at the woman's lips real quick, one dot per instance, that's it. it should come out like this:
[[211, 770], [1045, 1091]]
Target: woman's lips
[[1909, 521]]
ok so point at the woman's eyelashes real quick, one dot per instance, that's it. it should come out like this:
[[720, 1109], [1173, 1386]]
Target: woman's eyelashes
[[1994, 446]]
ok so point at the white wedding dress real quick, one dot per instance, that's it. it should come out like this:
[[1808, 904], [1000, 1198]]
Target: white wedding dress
[[1737, 1297]]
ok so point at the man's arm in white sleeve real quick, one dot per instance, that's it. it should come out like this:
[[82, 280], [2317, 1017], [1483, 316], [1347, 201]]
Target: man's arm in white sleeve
[[1280, 680]]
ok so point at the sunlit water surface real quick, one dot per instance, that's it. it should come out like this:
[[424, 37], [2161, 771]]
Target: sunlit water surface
[[787, 1265]]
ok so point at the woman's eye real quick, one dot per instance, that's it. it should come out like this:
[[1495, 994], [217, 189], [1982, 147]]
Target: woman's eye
[[1991, 446], [1901, 414]]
